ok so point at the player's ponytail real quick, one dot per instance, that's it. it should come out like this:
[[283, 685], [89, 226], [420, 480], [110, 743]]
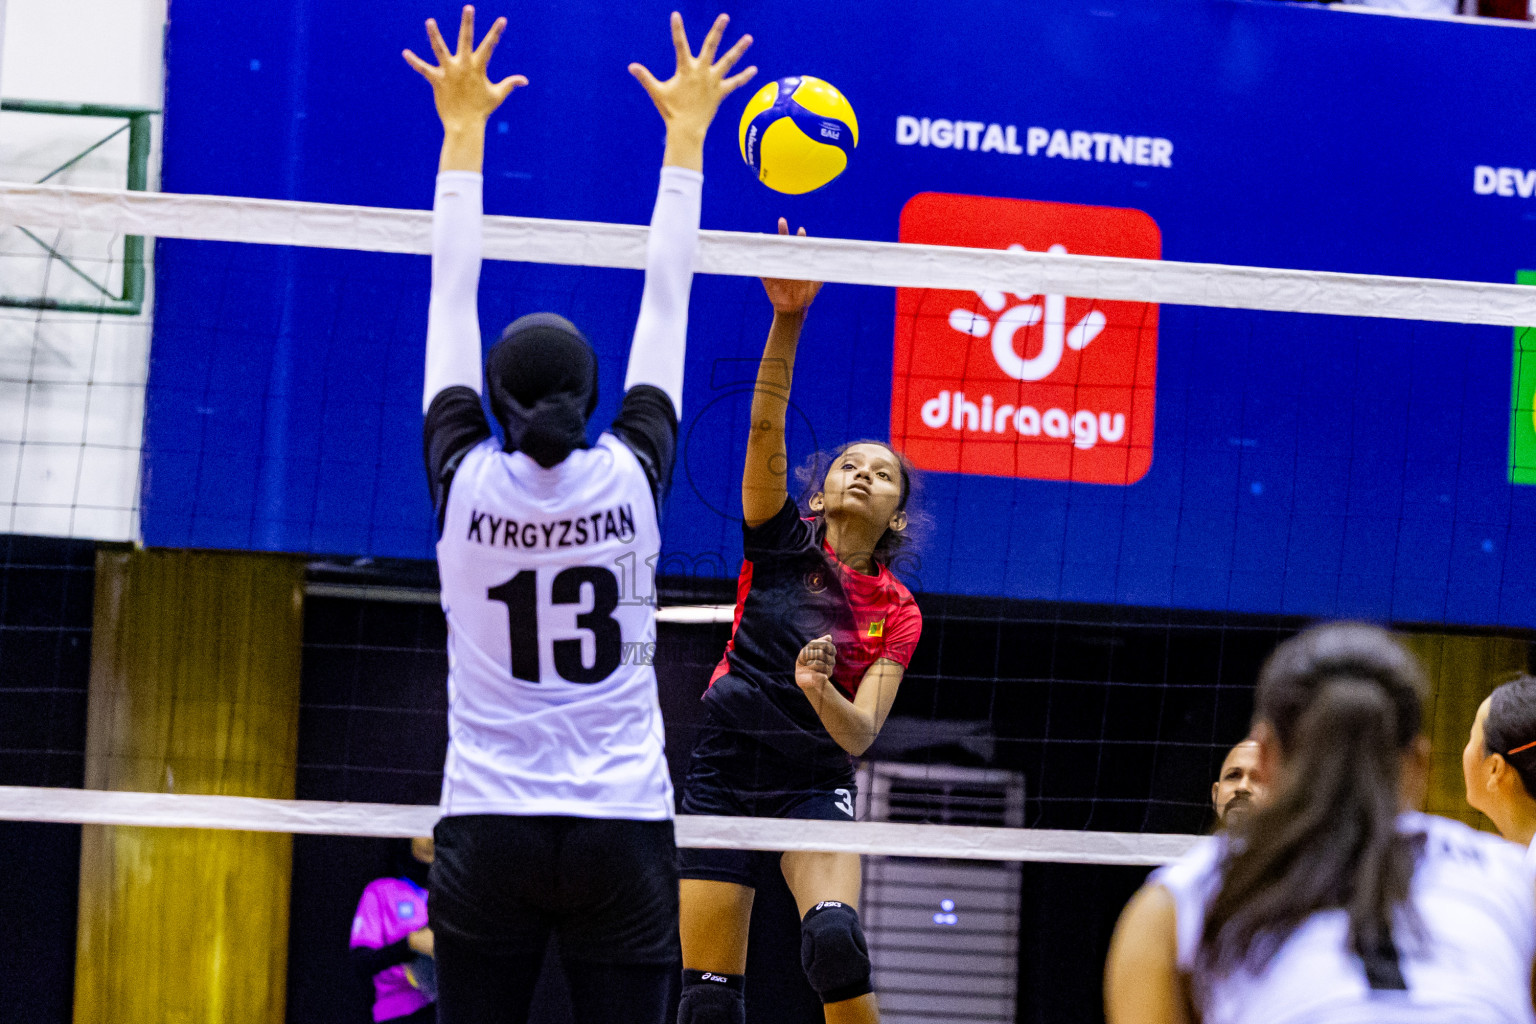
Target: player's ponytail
[[1345, 703]]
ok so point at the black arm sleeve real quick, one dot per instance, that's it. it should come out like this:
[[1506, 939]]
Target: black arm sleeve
[[368, 961], [647, 424], [455, 424]]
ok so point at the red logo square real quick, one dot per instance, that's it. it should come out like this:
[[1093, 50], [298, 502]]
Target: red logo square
[[1044, 387]]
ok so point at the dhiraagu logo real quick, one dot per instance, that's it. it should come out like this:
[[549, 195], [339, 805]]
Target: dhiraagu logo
[[1038, 387], [1522, 403]]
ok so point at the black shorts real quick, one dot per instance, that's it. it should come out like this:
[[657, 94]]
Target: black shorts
[[606, 888], [733, 776]]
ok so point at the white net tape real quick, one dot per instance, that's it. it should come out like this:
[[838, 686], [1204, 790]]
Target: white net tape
[[891, 839], [888, 264], [680, 614], [220, 218]]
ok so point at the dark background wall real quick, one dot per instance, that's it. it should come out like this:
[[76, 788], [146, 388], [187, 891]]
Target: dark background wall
[[1117, 719], [372, 727], [46, 591]]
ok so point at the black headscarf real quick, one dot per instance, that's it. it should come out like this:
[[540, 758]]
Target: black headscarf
[[542, 379]]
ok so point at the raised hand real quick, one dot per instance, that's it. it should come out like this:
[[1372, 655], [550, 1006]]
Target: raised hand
[[465, 97], [790, 296], [689, 99]]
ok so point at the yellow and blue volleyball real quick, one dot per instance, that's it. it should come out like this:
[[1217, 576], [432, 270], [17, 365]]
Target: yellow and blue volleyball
[[796, 133]]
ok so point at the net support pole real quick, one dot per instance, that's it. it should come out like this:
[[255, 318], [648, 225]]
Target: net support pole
[[194, 688]]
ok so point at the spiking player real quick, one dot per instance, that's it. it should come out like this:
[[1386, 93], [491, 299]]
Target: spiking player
[[824, 632], [556, 800]]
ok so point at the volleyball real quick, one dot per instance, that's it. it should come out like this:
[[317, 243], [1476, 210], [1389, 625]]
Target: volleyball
[[797, 132]]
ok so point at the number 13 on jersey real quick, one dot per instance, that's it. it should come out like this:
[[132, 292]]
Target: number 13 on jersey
[[576, 585]]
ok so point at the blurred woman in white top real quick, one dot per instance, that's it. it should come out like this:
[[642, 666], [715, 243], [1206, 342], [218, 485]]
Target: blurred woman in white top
[[1332, 903], [1500, 762]]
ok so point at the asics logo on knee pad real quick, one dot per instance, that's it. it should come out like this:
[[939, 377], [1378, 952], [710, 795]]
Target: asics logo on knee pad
[[712, 998], [834, 953]]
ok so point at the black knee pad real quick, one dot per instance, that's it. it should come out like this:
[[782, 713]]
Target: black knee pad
[[834, 953], [710, 998]]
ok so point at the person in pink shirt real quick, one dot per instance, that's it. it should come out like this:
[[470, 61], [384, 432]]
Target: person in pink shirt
[[392, 944]]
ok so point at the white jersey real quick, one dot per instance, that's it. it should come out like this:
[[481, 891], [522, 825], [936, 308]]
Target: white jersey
[[1475, 898], [547, 583]]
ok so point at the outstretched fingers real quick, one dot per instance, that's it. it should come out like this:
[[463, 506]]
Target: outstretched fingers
[[435, 38], [424, 69], [459, 84], [680, 40], [466, 31], [724, 64], [712, 39], [690, 98], [735, 82], [506, 85], [488, 44], [647, 80]]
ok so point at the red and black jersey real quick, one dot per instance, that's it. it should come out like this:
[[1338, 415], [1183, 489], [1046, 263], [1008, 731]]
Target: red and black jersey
[[792, 589]]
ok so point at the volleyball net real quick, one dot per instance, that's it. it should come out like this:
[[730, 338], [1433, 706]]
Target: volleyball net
[[383, 821], [1140, 475], [847, 261], [1325, 444]]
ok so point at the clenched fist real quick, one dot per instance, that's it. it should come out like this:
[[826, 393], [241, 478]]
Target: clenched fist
[[814, 666]]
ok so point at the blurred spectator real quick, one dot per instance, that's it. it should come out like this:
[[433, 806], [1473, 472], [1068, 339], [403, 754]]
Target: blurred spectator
[[1499, 762], [1237, 788], [391, 943]]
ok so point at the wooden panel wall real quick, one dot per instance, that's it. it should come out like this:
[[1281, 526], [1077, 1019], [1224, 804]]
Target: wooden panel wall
[[194, 689], [1463, 670]]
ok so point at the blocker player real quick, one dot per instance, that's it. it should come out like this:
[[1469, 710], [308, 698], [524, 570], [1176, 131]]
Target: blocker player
[[1330, 903], [556, 800]]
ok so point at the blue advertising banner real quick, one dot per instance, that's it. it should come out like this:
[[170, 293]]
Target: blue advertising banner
[[1074, 450]]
